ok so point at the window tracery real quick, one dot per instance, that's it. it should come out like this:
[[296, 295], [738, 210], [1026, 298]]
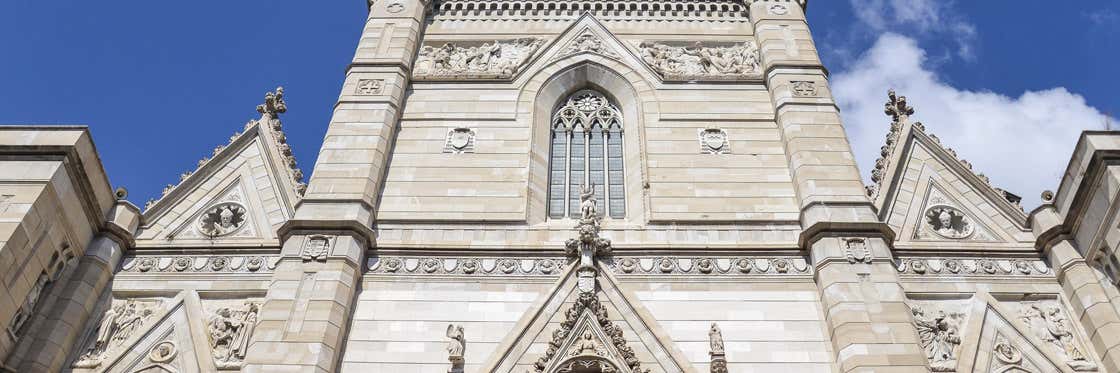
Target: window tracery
[[586, 150]]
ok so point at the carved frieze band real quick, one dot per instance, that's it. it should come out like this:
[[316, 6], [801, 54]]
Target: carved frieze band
[[199, 264], [454, 60], [710, 266], [972, 267], [467, 266]]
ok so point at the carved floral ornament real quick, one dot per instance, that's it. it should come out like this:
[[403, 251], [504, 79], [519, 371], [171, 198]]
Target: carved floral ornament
[[972, 267], [222, 219], [949, 222], [199, 264], [677, 61], [498, 59]]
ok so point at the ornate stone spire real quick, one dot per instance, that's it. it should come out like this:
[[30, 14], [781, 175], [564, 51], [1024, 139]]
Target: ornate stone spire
[[588, 245], [897, 108]]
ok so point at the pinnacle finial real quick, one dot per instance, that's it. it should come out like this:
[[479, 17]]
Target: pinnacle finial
[[897, 108], [273, 103]]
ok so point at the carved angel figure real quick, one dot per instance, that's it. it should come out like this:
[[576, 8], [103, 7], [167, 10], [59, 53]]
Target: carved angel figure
[[939, 339], [229, 333], [715, 339], [458, 344], [587, 207], [1050, 325], [117, 324]]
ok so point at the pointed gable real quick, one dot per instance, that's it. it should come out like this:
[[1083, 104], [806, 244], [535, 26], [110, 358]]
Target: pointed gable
[[244, 192], [927, 194], [586, 36]]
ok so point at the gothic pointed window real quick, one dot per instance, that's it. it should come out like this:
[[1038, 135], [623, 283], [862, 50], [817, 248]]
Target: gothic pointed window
[[586, 150]]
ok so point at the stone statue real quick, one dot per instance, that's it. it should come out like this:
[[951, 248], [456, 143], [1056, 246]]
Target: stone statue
[[28, 307], [939, 339], [229, 333], [700, 62], [222, 219], [587, 202], [119, 323], [458, 344], [949, 222], [1049, 324], [715, 339], [585, 345]]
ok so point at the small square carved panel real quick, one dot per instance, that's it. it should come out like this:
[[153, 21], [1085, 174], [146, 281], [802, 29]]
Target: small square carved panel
[[804, 88], [368, 87], [714, 141], [459, 140]]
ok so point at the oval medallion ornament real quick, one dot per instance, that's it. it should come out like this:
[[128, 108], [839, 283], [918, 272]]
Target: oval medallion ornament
[[949, 222], [222, 219]]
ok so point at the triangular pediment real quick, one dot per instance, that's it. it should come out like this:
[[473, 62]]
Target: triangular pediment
[[985, 336], [251, 181], [925, 184], [586, 38], [554, 333], [139, 335]]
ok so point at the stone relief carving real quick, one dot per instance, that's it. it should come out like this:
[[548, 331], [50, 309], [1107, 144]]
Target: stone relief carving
[[855, 249], [456, 347], [778, 10], [711, 266], [123, 318], [229, 331], [716, 350], [222, 219], [459, 140], [973, 267], [714, 141], [27, 308], [316, 248], [369, 87], [500, 59], [467, 266], [1008, 358], [163, 352], [588, 302], [586, 42], [939, 337], [804, 88], [949, 222], [588, 245], [587, 345], [396, 6], [200, 264], [1049, 323], [700, 62]]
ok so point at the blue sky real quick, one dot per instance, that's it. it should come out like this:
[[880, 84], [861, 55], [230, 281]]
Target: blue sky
[[162, 83]]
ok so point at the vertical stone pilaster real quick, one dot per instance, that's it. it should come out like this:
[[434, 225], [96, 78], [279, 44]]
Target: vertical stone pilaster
[[55, 337], [1090, 302], [865, 308], [305, 316]]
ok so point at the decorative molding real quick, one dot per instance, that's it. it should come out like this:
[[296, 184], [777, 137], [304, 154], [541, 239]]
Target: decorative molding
[[499, 59], [199, 264], [710, 266], [459, 140], [1047, 320], [369, 87], [713, 141], [683, 61], [972, 267], [467, 266], [684, 10]]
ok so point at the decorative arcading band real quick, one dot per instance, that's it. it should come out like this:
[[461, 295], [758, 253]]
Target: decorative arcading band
[[634, 8]]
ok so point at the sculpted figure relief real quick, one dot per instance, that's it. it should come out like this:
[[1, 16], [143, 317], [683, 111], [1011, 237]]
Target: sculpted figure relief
[[1049, 324], [223, 219], [697, 61], [229, 333], [497, 60], [123, 319], [949, 222], [939, 338]]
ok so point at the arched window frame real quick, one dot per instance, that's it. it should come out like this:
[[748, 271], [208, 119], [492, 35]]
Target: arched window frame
[[586, 148]]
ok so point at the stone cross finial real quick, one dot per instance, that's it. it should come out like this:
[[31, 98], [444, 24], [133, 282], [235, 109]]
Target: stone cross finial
[[273, 103], [897, 108]]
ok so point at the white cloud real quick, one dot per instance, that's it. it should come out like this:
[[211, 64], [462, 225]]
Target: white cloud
[[926, 18], [1022, 143]]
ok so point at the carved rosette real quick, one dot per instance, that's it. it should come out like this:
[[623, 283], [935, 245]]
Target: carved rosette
[[972, 267], [711, 266], [222, 219], [199, 264]]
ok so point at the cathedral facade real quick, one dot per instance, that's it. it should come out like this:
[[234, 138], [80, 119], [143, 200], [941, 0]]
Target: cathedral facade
[[562, 186]]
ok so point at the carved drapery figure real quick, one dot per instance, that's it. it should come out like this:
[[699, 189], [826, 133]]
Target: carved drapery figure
[[223, 219], [458, 344], [498, 60], [949, 222], [118, 324], [28, 307], [939, 339], [697, 61], [229, 333], [587, 202], [1049, 324], [715, 339]]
